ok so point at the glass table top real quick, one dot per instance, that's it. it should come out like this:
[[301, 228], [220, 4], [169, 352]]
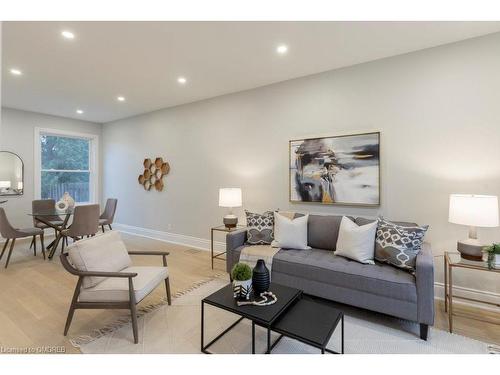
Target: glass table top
[[487, 264], [53, 212]]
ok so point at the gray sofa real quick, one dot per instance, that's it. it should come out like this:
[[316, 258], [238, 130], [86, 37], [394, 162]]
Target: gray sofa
[[378, 287]]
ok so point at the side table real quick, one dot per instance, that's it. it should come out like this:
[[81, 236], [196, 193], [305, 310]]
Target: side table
[[219, 228], [451, 261]]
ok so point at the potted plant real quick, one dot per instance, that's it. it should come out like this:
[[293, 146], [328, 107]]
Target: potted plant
[[242, 280], [493, 254]]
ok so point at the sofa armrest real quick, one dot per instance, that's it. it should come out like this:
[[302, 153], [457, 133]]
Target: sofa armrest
[[425, 284], [234, 239]]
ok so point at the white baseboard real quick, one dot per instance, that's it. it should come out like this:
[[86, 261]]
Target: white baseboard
[[204, 244], [178, 239]]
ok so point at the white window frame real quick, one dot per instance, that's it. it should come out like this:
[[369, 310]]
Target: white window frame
[[93, 160]]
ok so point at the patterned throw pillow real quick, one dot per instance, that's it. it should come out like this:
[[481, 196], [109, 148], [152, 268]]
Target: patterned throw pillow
[[398, 245], [260, 228]]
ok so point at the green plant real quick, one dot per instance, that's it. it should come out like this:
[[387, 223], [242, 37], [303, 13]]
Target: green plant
[[493, 249], [241, 272]]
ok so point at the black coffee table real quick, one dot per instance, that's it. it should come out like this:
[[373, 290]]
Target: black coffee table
[[263, 316], [302, 319], [312, 323]]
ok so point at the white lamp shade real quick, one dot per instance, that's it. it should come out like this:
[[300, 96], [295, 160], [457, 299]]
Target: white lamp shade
[[474, 210], [230, 197], [4, 184]]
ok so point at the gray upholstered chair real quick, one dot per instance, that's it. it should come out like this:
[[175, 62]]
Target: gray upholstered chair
[[85, 223], [108, 215], [107, 279], [11, 234], [44, 205]]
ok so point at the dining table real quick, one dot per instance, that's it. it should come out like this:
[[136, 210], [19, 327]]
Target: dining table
[[47, 217]]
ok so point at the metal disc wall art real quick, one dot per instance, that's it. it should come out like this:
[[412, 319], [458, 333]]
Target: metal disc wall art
[[153, 174]]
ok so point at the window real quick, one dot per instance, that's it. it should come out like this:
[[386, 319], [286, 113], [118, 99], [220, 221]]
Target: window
[[66, 163]]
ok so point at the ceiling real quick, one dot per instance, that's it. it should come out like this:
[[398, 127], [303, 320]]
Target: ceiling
[[142, 60]]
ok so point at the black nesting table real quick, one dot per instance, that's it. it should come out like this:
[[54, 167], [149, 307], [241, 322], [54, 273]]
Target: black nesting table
[[293, 315]]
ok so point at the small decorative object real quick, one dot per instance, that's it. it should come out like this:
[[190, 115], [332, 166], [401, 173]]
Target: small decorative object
[[165, 168], [474, 211], [159, 162], [68, 199], [153, 174], [268, 298], [336, 170], [260, 277], [493, 252], [159, 185], [230, 197], [242, 281], [61, 206]]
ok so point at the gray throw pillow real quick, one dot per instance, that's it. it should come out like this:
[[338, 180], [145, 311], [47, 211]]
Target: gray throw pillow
[[260, 228], [398, 245]]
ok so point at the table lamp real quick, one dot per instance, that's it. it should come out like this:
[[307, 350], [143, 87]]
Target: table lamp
[[474, 211], [230, 197], [4, 185]]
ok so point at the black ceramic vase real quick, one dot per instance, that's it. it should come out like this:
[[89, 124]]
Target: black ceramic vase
[[260, 278]]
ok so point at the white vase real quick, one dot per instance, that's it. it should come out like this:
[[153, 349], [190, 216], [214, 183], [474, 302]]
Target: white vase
[[242, 289], [496, 260], [68, 199], [61, 206]]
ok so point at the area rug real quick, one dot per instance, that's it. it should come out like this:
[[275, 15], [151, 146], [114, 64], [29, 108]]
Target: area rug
[[175, 329]]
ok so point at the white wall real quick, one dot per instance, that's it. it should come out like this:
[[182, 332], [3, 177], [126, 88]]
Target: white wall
[[18, 130], [439, 116]]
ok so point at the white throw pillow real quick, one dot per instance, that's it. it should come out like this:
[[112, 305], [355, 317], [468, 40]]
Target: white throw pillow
[[356, 242], [290, 234]]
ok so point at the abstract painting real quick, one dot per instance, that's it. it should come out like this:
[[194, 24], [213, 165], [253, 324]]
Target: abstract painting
[[336, 170]]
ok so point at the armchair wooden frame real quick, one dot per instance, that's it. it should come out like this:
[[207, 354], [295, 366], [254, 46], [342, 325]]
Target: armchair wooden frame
[[129, 305]]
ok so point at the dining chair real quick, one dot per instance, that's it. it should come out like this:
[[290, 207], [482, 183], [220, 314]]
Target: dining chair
[[85, 223], [108, 215], [44, 205], [11, 234]]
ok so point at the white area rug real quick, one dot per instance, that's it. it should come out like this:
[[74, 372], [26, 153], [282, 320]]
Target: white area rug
[[175, 329]]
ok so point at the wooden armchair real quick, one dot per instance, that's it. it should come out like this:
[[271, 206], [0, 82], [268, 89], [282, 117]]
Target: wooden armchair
[[103, 282]]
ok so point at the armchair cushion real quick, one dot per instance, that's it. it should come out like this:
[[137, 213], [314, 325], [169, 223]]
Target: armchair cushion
[[106, 252], [114, 289]]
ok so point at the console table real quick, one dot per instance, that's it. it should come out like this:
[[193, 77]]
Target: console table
[[451, 261]]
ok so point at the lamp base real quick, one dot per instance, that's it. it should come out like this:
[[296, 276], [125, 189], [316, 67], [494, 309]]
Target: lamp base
[[230, 221], [470, 249]]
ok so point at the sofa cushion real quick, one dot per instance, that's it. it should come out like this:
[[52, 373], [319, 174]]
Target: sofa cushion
[[399, 245], [322, 266], [114, 289], [323, 231], [363, 221], [260, 228], [356, 242], [290, 233], [105, 252]]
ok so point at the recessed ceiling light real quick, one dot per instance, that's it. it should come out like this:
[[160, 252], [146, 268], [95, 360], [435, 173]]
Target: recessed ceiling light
[[16, 72], [79, 111], [182, 80], [282, 49], [68, 34], [121, 98]]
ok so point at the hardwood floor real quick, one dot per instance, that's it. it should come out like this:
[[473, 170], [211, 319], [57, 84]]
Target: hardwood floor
[[35, 296]]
